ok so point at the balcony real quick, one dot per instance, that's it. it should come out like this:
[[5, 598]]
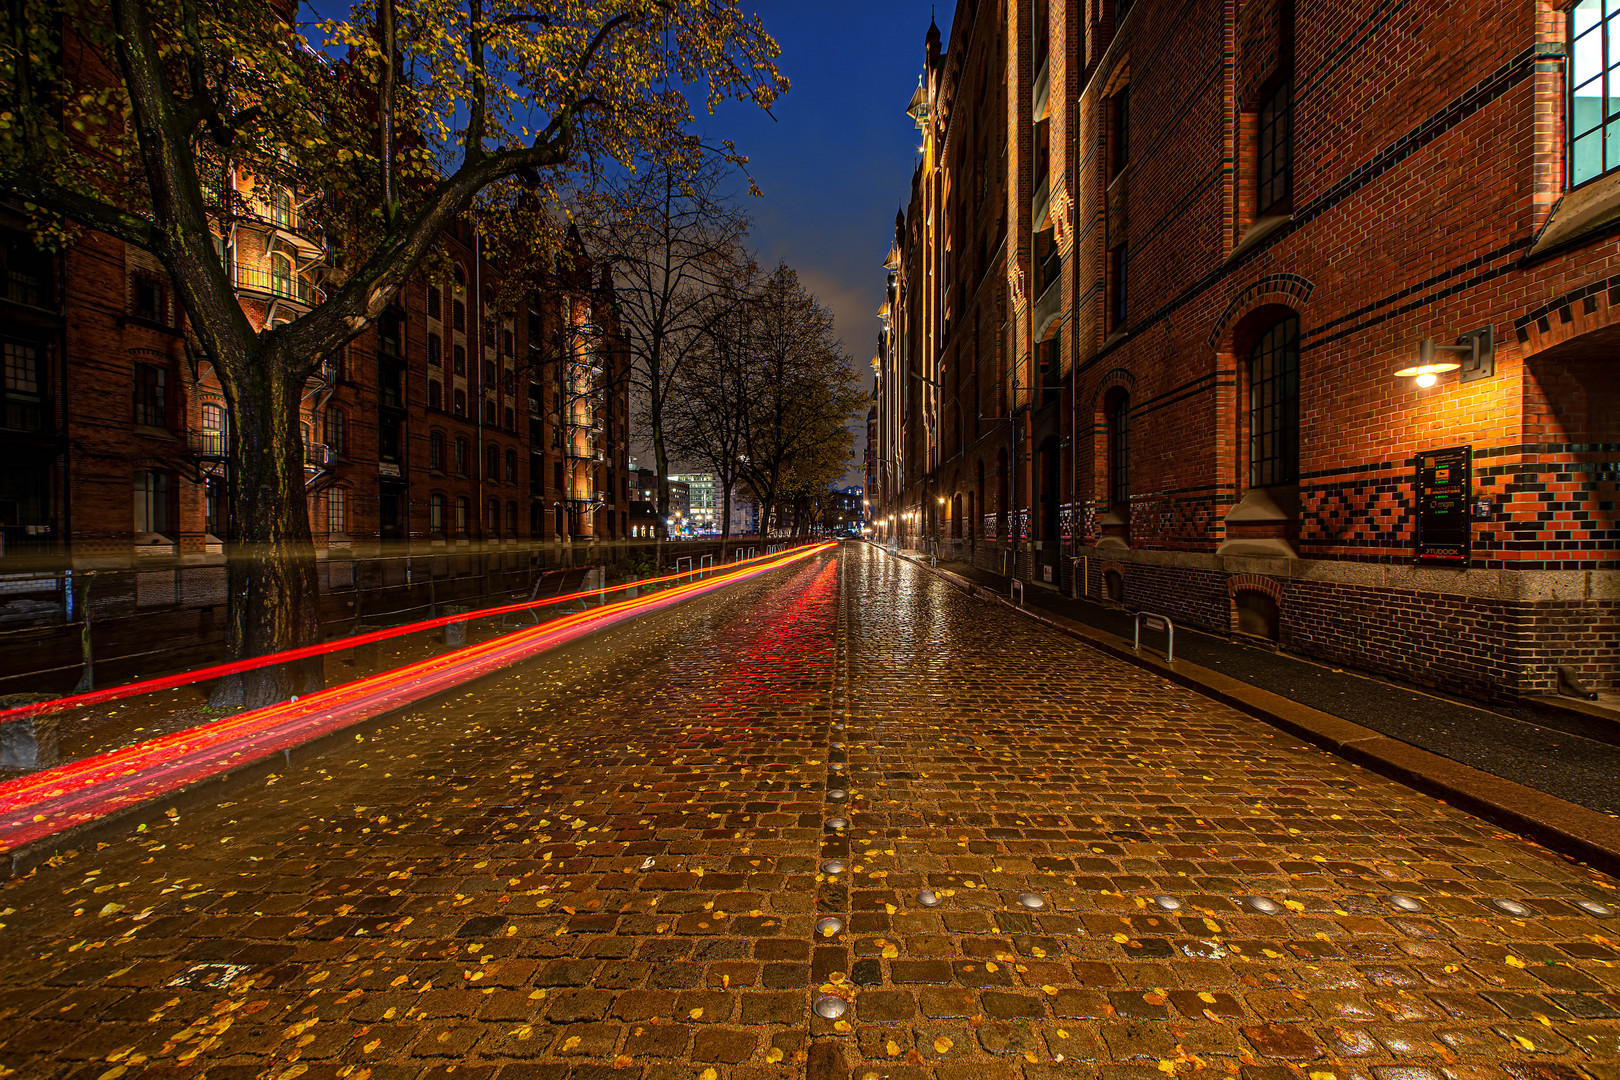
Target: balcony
[[210, 444], [282, 286], [287, 221]]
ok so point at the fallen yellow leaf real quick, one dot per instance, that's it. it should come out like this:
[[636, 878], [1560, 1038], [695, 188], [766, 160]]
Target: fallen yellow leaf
[[942, 1045]]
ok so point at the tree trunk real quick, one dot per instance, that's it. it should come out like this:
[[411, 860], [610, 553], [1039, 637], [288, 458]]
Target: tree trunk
[[661, 463], [273, 594], [725, 519]]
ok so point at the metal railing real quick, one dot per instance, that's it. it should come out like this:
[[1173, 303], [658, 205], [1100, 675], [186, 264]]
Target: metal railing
[[1157, 624], [288, 286]]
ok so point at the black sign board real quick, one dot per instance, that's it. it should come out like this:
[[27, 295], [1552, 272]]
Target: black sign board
[[1444, 487]]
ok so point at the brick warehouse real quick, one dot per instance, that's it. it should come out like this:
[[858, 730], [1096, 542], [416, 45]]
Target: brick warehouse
[[449, 424], [1157, 308]]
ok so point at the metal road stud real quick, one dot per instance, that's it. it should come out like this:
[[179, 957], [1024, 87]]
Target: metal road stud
[[928, 898], [1167, 903], [1594, 907], [831, 1006], [828, 926], [832, 867], [836, 766], [837, 794], [1511, 907], [1262, 905], [1033, 901], [647, 863], [838, 727], [1405, 903], [837, 823]]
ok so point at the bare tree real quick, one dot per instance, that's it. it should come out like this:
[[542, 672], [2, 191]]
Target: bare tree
[[675, 242], [800, 389], [705, 416]]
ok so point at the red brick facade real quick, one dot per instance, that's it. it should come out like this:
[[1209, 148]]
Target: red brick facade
[[536, 400], [1427, 198]]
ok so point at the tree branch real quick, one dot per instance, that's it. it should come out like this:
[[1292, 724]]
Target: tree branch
[[92, 212]]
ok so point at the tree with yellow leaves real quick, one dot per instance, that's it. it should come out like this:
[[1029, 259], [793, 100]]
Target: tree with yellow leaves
[[392, 123]]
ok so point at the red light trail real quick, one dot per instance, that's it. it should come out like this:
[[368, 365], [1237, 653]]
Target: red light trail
[[52, 800], [236, 667]]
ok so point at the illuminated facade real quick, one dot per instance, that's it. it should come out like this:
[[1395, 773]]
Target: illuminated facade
[[1154, 330]]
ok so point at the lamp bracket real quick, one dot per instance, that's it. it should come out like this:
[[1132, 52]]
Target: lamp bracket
[[1478, 354]]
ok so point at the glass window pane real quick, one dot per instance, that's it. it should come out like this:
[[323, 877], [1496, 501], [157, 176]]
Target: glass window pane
[[1586, 158], [1586, 15], [1611, 145], [1588, 57]]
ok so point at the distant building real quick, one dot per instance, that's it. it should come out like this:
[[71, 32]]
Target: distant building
[[703, 510]]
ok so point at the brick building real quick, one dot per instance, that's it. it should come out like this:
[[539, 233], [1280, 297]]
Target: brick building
[[1163, 296], [449, 423]]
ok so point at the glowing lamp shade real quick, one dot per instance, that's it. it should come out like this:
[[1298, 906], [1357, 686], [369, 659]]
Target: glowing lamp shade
[[1426, 374]]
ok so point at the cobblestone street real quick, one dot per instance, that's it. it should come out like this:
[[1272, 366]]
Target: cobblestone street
[[841, 821]]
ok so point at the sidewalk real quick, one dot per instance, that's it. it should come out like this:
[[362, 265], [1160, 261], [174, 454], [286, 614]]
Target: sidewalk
[[1580, 769]]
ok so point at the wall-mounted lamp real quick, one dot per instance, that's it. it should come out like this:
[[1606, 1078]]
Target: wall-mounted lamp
[[1476, 359]]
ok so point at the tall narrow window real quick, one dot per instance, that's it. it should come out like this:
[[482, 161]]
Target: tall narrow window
[[494, 518], [433, 301], [435, 394], [459, 354], [435, 349], [436, 513], [1274, 406], [151, 397], [436, 451], [462, 505], [337, 520], [22, 393], [461, 403], [1274, 189], [1119, 453], [461, 457], [492, 462], [337, 432], [1119, 132], [1593, 126]]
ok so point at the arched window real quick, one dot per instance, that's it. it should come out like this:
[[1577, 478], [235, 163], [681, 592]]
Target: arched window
[[492, 462], [494, 518], [511, 466], [461, 403], [462, 505], [1274, 406], [436, 513], [436, 451], [435, 394], [511, 519], [461, 457]]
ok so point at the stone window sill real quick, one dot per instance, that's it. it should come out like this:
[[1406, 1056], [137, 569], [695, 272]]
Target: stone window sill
[[1257, 232], [1584, 210]]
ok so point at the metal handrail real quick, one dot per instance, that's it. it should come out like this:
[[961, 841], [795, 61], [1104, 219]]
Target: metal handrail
[[1164, 624]]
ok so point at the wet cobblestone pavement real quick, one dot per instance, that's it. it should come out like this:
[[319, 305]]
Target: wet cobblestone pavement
[[622, 861]]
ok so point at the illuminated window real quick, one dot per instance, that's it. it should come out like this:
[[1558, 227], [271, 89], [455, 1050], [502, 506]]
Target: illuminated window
[[436, 513]]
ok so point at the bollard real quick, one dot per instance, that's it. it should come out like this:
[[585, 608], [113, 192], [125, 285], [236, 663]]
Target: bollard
[[455, 634]]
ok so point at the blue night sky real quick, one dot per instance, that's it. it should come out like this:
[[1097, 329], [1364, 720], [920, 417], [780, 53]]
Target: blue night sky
[[836, 162]]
